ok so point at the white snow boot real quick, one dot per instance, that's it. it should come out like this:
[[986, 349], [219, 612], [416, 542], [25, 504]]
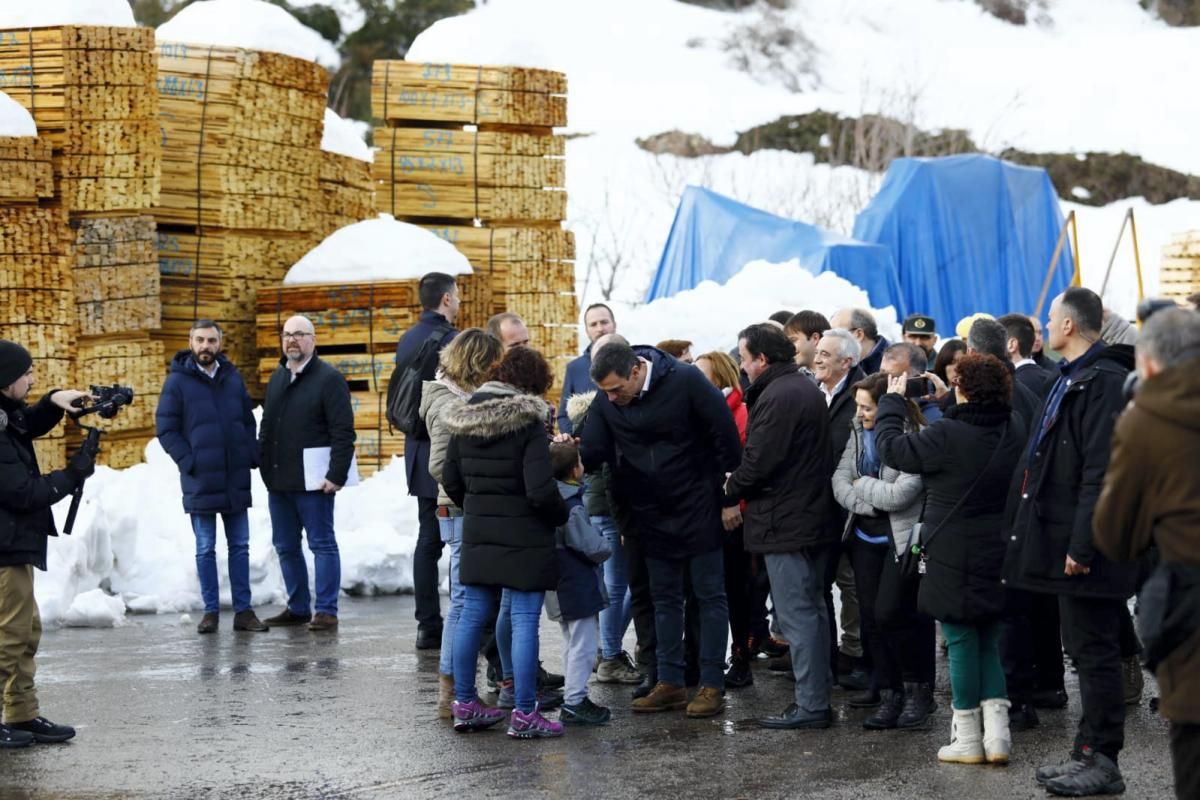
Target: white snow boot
[[997, 740], [966, 738]]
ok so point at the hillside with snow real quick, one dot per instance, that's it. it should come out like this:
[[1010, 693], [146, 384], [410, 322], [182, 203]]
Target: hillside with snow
[[642, 67]]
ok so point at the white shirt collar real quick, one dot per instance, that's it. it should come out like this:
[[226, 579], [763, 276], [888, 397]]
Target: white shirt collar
[[1023, 362], [296, 372], [829, 395], [649, 368]]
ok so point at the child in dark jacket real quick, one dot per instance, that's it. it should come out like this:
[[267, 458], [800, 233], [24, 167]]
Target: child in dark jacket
[[581, 550]]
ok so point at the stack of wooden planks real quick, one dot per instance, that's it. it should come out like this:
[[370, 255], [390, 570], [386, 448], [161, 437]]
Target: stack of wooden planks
[[357, 327], [242, 190], [347, 193], [470, 153], [1179, 274], [35, 275]]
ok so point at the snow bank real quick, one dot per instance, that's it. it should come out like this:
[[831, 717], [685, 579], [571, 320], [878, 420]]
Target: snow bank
[[42, 13], [133, 541], [14, 119], [380, 249], [344, 137], [711, 315], [252, 24]]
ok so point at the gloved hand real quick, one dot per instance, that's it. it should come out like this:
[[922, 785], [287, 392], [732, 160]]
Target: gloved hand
[[82, 464]]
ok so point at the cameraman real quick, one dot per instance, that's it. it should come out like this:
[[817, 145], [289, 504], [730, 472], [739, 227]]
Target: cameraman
[[25, 521], [1151, 497]]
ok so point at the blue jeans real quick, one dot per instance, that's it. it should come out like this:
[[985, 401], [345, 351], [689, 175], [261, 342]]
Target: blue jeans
[[312, 512], [525, 613], [666, 588], [615, 618], [237, 537], [451, 532]]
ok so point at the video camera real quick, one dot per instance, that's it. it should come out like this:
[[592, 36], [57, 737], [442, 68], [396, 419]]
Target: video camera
[[108, 403]]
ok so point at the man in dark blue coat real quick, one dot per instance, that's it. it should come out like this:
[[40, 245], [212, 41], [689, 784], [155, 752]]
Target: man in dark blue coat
[[205, 423], [670, 439], [598, 321], [439, 303]]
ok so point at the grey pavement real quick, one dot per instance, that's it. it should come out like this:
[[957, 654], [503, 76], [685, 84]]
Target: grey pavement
[[163, 712]]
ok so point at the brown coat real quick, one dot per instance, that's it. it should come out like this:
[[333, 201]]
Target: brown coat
[[1151, 495]]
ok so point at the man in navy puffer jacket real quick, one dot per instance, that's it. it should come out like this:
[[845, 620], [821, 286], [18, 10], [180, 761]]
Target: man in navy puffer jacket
[[205, 424]]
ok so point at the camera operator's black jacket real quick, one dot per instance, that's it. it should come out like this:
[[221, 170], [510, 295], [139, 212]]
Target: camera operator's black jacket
[[25, 493], [312, 411]]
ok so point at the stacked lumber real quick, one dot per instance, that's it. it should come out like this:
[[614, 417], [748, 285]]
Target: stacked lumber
[[35, 281], [1179, 275], [133, 359], [242, 190], [470, 152], [116, 275], [347, 193], [357, 326], [26, 169], [91, 92]]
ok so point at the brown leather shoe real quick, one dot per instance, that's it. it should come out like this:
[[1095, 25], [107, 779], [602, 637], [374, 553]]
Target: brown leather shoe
[[323, 622], [248, 621], [708, 702], [663, 697], [286, 617], [209, 623]]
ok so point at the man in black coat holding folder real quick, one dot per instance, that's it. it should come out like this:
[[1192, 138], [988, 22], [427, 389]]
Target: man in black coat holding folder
[[307, 447]]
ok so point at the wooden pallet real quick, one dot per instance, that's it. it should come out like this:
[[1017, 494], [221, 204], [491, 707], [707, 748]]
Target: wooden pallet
[[499, 205], [347, 193], [405, 92]]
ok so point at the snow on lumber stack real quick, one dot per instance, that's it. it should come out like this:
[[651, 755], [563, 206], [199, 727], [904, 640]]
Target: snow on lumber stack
[[347, 190], [1179, 275], [91, 92]]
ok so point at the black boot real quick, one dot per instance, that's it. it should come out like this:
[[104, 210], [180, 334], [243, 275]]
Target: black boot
[[647, 685], [918, 705], [739, 674], [891, 701], [1022, 716]]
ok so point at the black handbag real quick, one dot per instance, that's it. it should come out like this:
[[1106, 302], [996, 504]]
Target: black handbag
[[912, 561]]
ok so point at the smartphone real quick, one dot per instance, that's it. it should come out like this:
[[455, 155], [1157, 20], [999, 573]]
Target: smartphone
[[916, 388]]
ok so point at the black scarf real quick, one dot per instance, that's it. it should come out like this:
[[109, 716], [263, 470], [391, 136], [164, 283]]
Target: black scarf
[[990, 415]]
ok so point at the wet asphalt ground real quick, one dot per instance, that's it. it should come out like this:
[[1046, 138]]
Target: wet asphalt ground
[[165, 713]]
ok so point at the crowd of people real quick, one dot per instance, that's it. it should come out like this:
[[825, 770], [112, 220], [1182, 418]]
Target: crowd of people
[[714, 500]]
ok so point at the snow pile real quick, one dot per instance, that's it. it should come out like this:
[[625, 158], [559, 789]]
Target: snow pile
[[381, 249], [711, 315], [14, 119], [44, 13], [344, 137], [133, 538], [252, 24]]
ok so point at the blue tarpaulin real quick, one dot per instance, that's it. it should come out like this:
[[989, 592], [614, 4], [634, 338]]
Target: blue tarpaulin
[[967, 233], [713, 237]]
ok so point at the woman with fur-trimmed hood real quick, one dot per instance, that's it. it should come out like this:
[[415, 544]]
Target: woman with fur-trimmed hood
[[498, 471]]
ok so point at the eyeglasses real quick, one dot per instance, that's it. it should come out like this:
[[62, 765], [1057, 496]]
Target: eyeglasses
[[296, 334]]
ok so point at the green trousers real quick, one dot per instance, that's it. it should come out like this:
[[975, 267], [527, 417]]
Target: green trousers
[[976, 673], [20, 633]]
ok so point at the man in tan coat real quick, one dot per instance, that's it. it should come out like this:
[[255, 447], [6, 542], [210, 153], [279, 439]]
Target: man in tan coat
[[1151, 496]]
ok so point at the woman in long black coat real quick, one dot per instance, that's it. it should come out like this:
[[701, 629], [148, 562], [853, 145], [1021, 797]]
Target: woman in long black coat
[[966, 461], [497, 470]]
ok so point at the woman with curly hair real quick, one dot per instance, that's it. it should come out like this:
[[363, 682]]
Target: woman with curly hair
[[498, 471], [965, 461]]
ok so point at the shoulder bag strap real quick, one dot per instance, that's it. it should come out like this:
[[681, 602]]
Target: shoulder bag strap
[[966, 494]]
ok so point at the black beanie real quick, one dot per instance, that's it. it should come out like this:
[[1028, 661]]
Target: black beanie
[[15, 361]]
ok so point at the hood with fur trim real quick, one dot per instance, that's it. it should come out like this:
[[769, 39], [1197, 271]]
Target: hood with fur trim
[[578, 406], [496, 412]]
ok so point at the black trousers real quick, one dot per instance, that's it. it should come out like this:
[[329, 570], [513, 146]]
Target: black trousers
[[641, 605], [425, 566], [1185, 757], [1031, 645], [831, 567], [746, 593], [1091, 631], [867, 561], [1131, 645], [909, 633]]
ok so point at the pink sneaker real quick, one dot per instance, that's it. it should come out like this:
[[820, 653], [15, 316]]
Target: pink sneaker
[[474, 716], [532, 726]]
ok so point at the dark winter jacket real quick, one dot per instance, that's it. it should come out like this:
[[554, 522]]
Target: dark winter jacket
[[580, 549], [1035, 378], [597, 494], [670, 449], [965, 551], [497, 470], [786, 467], [841, 413], [1151, 496], [207, 426], [311, 411], [578, 380], [1053, 497], [25, 493], [416, 449], [872, 361]]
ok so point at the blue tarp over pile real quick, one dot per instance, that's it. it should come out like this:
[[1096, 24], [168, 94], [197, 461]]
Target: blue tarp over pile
[[713, 237], [967, 233]]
